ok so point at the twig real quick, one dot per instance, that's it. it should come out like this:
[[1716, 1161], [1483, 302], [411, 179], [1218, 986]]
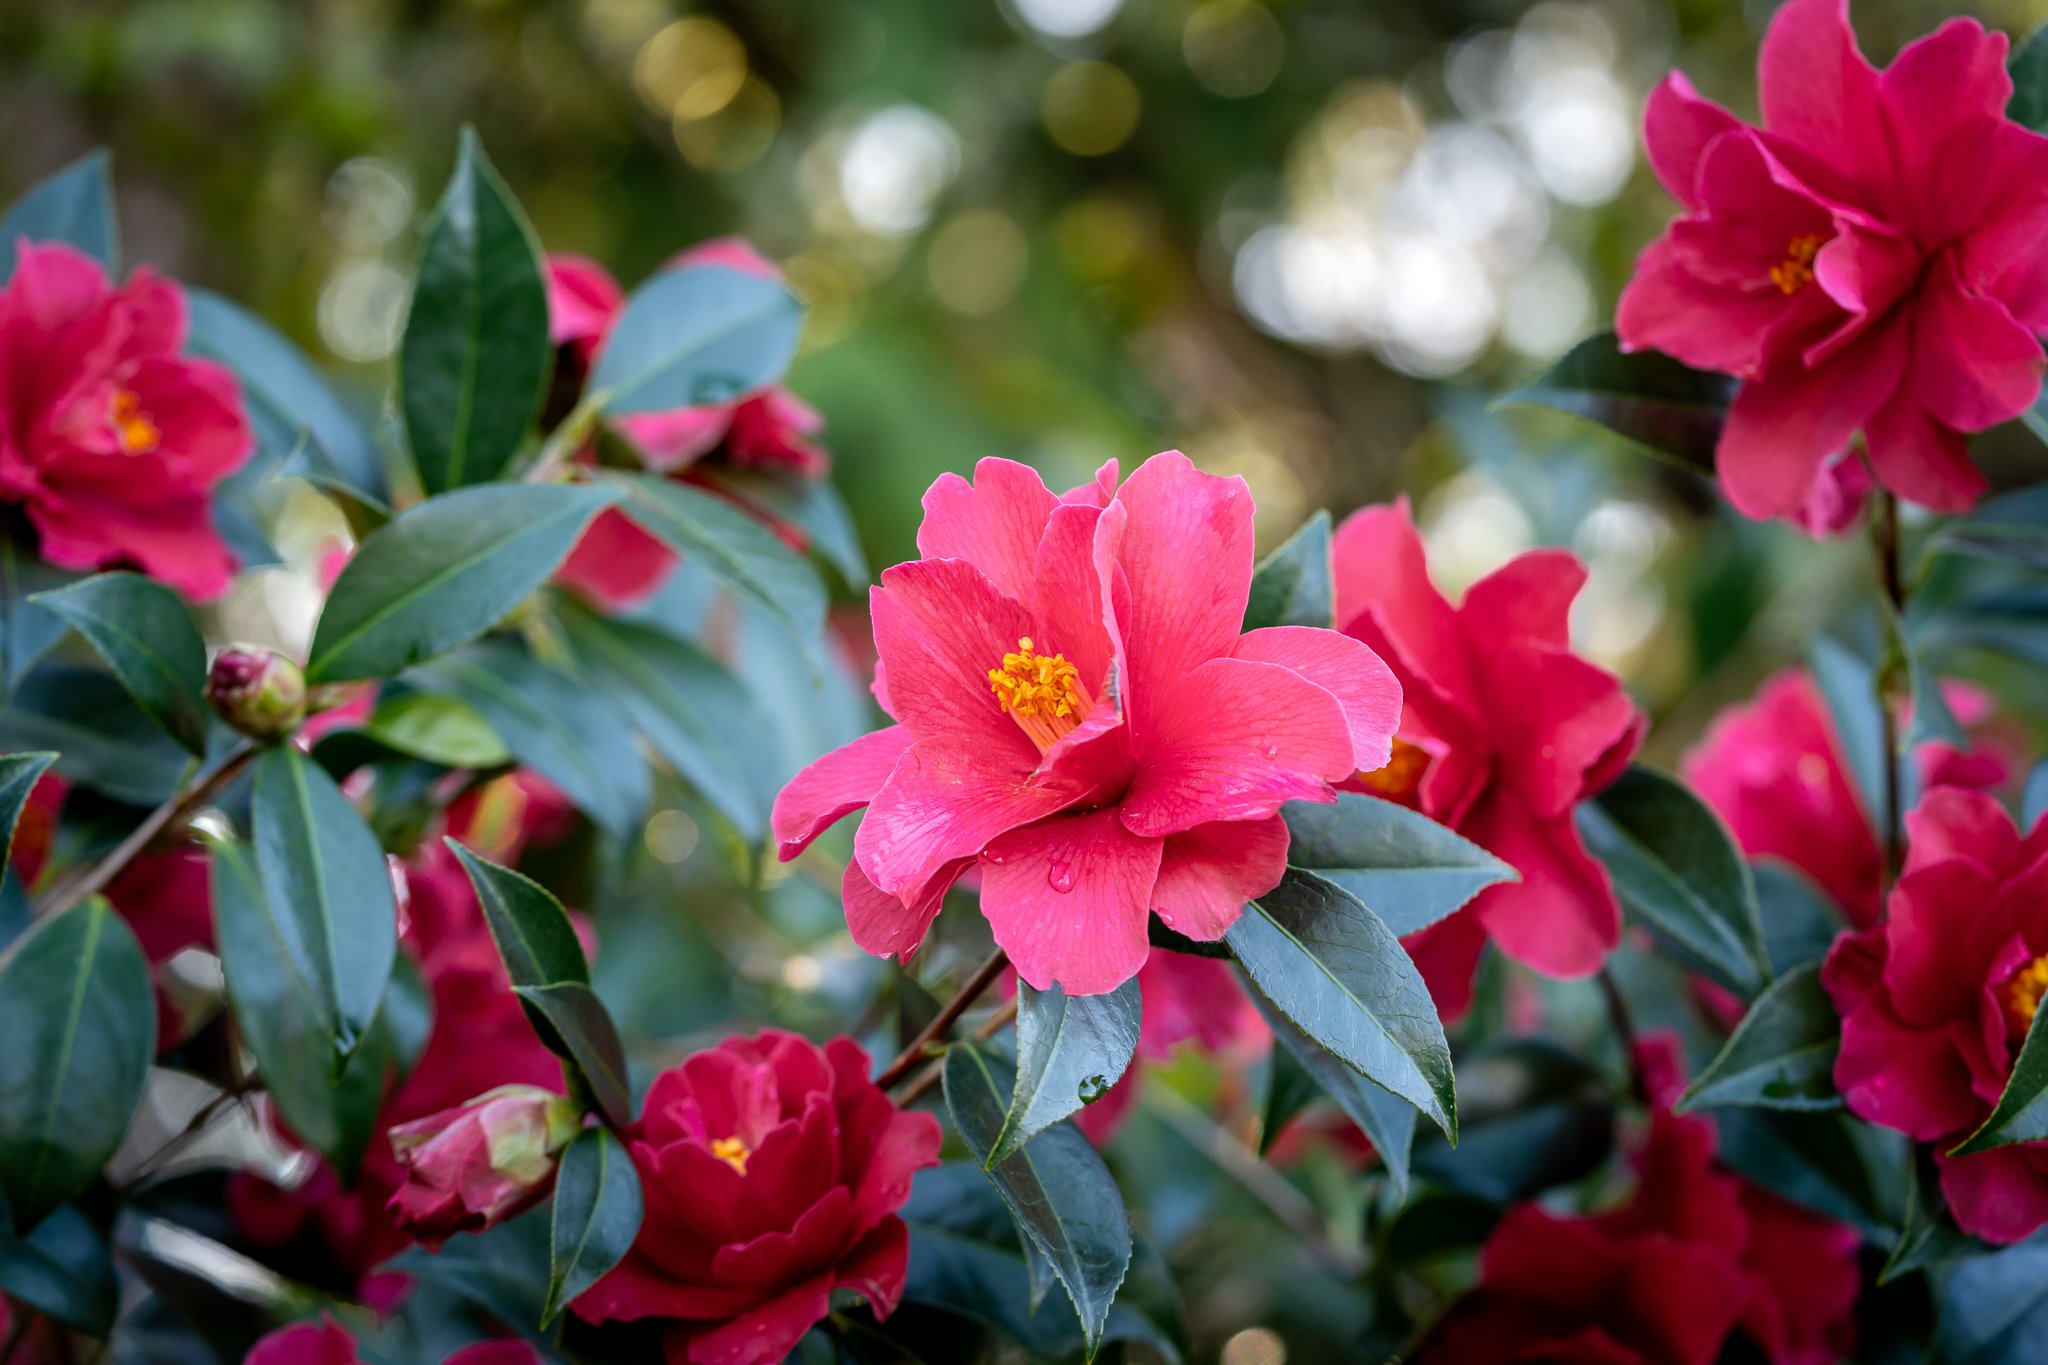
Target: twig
[[566, 439], [1625, 1029], [948, 1015], [1884, 532], [933, 1072]]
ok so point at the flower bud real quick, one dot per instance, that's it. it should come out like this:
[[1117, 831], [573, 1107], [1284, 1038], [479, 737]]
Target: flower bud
[[473, 1166], [257, 690]]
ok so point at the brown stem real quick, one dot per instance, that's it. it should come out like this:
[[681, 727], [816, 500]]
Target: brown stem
[[1884, 531], [936, 1070], [1625, 1030], [948, 1015]]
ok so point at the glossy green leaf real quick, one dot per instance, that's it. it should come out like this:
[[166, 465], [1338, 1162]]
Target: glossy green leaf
[[1533, 1117], [1070, 1050], [474, 360], [597, 1215], [1061, 1195], [812, 505], [1411, 870], [102, 739], [1676, 868], [2034, 800], [1386, 1119], [438, 728], [532, 930], [1782, 1054], [2012, 527], [1292, 585], [444, 572], [78, 1016], [18, 776], [1828, 1160], [329, 891], [504, 1271], [75, 206], [2029, 104], [1849, 690], [27, 630], [1994, 1309], [62, 1269], [147, 635], [1800, 921], [1930, 1235], [1334, 968], [577, 1027], [1289, 1090], [704, 334], [1653, 400], [2021, 1114]]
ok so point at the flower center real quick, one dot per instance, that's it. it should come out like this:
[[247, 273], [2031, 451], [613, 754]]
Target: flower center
[[1398, 780], [1042, 693], [732, 1151], [1795, 272], [2023, 992], [132, 427]]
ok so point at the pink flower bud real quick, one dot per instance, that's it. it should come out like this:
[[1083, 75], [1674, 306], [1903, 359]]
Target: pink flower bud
[[473, 1166], [257, 690]]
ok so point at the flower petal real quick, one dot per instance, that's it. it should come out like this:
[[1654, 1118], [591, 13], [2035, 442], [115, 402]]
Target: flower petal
[[893, 926], [994, 523], [1068, 900], [1561, 918], [1365, 688], [833, 787], [1678, 123], [1206, 874], [940, 626]]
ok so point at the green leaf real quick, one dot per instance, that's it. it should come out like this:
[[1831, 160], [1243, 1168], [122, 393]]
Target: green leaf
[[706, 334], [1930, 1234], [329, 891], [577, 1027], [1534, 1117], [27, 631], [1385, 1119], [2034, 800], [503, 1271], [438, 728], [19, 774], [78, 1014], [102, 739], [1828, 1160], [1850, 691], [1291, 586], [532, 930], [2021, 1114], [474, 361], [63, 1269], [147, 635], [1070, 1050], [2029, 104], [2012, 527], [1676, 868], [597, 1216], [1653, 400], [696, 714], [75, 206], [444, 572], [1782, 1054], [1289, 1090], [1329, 964], [567, 731], [1062, 1196], [1411, 870], [812, 505], [1800, 921], [1994, 1309], [733, 548]]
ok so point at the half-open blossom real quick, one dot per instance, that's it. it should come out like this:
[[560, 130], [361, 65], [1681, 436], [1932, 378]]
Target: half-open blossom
[[1936, 1000], [111, 440], [1504, 731], [471, 1167], [256, 690], [1081, 715], [1867, 260], [772, 1170]]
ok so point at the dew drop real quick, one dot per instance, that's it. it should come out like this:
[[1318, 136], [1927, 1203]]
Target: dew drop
[[1060, 877], [1093, 1088], [996, 858]]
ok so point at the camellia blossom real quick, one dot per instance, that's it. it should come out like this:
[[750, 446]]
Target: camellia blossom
[[1505, 730], [110, 440], [1936, 1000], [772, 1170], [327, 1342], [1081, 714], [471, 1167], [1870, 259]]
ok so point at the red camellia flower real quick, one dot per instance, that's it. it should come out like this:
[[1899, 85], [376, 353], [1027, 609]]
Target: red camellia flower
[[471, 1167], [616, 563], [772, 1170], [1869, 259], [1082, 715], [1936, 1000], [1503, 732], [111, 440], [327, 1342], [1773, 769]]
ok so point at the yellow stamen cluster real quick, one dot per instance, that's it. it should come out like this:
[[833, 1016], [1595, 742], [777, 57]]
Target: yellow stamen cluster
[[732, 1151], [132, 427], [1042, 693], [1795, 272], [2023, 992], [1402, 774]]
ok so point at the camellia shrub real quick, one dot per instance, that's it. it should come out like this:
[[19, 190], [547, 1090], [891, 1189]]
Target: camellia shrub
[[586, 944]]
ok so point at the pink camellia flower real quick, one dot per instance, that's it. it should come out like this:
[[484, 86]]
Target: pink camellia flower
[[471, 1167], [1082, 716], [1505, 730], [1869, 259], [616, 563], [1773, 769], [111, 440], [1936, 1000], [327, 1342], [772, 1170]]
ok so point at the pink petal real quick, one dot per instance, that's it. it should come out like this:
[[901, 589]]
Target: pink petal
[[1944, 98], [676, 439], [1820, 94], [1909, 1079], [1529, 597], [1447, 954], [835, 786], [1561, 918], [1667, 307], [2001, 255], [993, 523], [876, 1267], [940, 626], [760, 1336], [2000, 1195], [1208, 873], [1974, 366], [893, 926], [1919, 458], [1073, 570], [1678, 123], [615, 562], [1068, 900], [1557, 718], [583, 298], [945, 799], [1382, 571], [1359, 679]]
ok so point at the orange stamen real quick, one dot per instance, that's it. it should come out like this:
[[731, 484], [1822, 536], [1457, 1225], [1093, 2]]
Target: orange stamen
[[132, 427], [2023, 992], [1401, 776], [732, 1151], [1795, 272], [1043, 693]]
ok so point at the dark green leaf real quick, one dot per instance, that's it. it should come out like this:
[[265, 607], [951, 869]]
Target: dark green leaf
[[307, 461], [18, 776], [147, 635], [1800, 922], [329, 892], [1782, 1054], [1534, 1117], [27, 631], [1853, 1172], [503, 1271], [1291, 586], [531, 928], [63, 1269], [1650, 398], [706, 334], [1411, 870], [2022, 1111], [2012, 527], [1289, 1090], [597, 1216], [75, 206], [474, 360], [1056, 1186], [577, 1027], [1385, 1118], [1162, 936], [1337, 971], [78, 1016], [102, 739], [1850, 691], [2029, 104], [1676, 868], [440, 729], [1930, 1235], [1070, 1050], [1994, 1309], [444, 572], [813, 505]]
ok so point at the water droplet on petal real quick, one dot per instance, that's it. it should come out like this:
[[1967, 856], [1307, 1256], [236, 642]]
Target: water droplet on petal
[[1060, 877]]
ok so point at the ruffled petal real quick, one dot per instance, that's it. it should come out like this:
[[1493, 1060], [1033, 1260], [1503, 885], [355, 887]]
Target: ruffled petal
[[834, 787], [1365, 688], [1068, 900], [994, 523], [1206, 874]]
